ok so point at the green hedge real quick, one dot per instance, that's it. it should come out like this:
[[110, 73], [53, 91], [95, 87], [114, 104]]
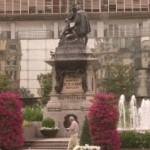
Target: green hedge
[[33, 113], [48, 122], [134, 139]]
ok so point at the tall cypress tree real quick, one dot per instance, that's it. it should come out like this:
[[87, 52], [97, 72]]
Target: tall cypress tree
[[85, 134]]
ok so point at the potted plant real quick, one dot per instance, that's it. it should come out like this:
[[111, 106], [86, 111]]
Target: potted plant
[[33, 117], [48, 128]]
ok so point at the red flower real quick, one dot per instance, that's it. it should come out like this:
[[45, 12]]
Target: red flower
[[11, 136], [103, 117]]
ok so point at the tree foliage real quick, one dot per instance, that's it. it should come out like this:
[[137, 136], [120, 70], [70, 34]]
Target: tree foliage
[[121, 79], [85, 134], [4, 83], [45, 81], [25, 93]]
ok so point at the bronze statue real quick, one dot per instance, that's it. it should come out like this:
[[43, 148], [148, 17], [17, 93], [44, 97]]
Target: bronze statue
[[78, 25]]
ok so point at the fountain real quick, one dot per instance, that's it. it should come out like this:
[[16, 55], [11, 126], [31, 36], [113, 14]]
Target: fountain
[[122, 113], [133, 113], [132, 117]]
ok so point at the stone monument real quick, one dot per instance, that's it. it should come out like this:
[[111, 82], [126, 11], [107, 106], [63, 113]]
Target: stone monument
[[73, 73]]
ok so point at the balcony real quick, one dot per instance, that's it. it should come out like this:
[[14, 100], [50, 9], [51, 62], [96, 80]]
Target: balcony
[[34, 34]]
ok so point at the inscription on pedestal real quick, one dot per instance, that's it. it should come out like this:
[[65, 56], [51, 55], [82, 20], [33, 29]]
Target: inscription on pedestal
[[72, 97], [70, 102], [72, 83]]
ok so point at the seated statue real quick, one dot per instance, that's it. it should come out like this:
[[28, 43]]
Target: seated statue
[[78, 25]]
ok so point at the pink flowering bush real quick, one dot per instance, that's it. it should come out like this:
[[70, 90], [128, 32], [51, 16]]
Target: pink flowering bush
[[11, 137], [103, 118]]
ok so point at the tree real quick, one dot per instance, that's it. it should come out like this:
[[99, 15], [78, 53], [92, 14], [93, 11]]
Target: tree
[[121, 79], [45, 81], [25, 93], [4, 83], [85, 134]]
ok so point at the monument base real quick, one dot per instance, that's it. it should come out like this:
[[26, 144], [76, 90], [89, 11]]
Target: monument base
[[73, 84], [62, 105], [59, 118]]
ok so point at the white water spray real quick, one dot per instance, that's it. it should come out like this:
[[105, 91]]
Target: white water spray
[[122, 113], [139, 118]]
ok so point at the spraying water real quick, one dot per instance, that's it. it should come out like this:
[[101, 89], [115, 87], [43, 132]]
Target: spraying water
[[133, 113], [139, 118], [122, 113]]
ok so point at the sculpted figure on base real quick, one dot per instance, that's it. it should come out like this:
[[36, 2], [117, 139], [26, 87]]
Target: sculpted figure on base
[[78, 25]]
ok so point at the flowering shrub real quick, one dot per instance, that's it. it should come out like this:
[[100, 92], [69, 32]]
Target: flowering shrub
[[103, 118], [11, 137]]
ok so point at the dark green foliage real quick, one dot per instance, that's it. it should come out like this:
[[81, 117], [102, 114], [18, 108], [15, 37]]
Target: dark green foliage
[[27, 97], [30, 102], [121, 79], [85, 134], [32, 114], [48, 122], [4, 83], [25, 93], [45, 81], [134, 139]]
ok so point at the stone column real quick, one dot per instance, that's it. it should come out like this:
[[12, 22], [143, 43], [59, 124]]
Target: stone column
[[53, 79], [142, 90], [13, 30], [91, 80], [55, 30], [100, 29]]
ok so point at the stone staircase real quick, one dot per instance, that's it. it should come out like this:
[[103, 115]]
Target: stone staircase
[[46, 144]]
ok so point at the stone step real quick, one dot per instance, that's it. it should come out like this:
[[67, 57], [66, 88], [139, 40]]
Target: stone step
[[50, 144]]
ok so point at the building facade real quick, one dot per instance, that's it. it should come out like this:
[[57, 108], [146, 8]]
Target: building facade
[[117, 26]]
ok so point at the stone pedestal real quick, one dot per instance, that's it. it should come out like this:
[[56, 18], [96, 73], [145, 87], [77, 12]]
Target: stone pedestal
[[73, 82]]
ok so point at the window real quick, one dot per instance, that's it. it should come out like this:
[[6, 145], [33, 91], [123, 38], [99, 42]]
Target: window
[[96, 5], [32, 6], [63, 6], [112, 5], [56, 6], [122, 30], [144, 5], [24, 6], [116, 30], [8, 6], [136, 5], [1, 6], [110, 30], [40, 6], [16, 6], [104, 5], [48, 6], [12, 47], [88, 5], [120, 5], [128, 5]]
